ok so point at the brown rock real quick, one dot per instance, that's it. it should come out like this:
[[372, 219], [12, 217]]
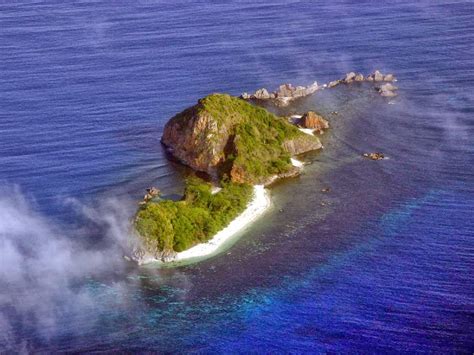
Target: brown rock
[[374, 156], [389, 77], [313, 121], [359, 77]]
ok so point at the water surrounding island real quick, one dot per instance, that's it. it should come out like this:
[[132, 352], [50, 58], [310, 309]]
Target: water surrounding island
[[383, 261]]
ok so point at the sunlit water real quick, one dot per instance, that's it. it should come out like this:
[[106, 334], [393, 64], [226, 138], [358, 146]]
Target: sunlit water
[[382, 262]]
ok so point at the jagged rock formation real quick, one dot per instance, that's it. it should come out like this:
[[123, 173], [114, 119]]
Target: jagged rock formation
[[285, 94], [313, 121], [387, 90], [227, 136], [351, 77]]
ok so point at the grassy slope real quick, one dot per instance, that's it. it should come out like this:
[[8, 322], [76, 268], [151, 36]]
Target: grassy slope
[[259, 136]]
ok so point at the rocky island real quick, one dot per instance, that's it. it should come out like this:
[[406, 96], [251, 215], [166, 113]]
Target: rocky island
[[241, 147]]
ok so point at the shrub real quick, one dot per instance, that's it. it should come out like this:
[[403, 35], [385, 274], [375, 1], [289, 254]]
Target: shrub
[[169, 225]]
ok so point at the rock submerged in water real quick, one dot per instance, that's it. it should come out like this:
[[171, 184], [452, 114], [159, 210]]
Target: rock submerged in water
[[313, 121], [374, 156]]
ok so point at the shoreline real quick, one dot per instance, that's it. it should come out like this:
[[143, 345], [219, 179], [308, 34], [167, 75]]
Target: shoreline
[[259, 204]]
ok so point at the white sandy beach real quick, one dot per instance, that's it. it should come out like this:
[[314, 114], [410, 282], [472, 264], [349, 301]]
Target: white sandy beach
[[259, 204]]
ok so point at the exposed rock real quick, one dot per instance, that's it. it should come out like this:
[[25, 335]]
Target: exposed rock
[[262, 94], [349, 77], [334, 83], [151, 252], [190, 140], [285, 90], [285, 94], [359, 77], [205, 136], [374, 156], [326, 189], [302, 144], [151, 193], [387, 90], [313, 121], [388, 86], [389, 77], [378, 76]]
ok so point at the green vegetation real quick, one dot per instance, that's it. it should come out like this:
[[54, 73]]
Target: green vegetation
[[169, 225], [244, 144], [257, 149]]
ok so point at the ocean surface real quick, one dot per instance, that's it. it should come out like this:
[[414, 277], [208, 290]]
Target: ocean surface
[[383, 262]]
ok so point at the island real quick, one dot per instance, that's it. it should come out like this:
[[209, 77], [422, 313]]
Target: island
[[242, 148]]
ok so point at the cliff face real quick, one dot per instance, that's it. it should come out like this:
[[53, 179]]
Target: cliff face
[[196, 139], [224, 135]]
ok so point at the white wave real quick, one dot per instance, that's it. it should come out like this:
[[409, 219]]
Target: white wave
[[297, 163]]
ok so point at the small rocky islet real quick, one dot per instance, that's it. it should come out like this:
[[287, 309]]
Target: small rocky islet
[[238, 144]]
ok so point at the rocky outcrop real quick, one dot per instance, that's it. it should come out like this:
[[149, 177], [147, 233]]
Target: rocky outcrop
[[284, 95], [313, 121], [219, 136], [150, 252], [189, 138], [374, 156], [287, 93], [351, 77], [387, 90], [302, 144], [151, 193], [334, 83]]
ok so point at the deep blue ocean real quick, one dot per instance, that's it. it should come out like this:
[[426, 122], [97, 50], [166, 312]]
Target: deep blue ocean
[[383, 263]]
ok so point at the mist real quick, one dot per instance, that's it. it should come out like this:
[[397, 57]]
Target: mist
[[43, 266]]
